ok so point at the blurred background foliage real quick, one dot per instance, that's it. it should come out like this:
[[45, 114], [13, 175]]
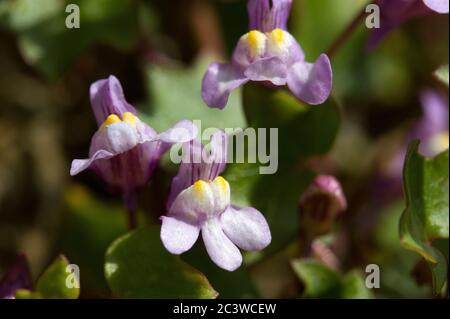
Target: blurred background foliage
[[159, 51]]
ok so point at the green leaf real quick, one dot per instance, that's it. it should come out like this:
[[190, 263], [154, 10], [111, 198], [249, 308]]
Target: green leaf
[[303, 131], [397, 263], [53, 283], [48, 45], [176, 94], [236, 284], [323, 282], [354, 287], [442, 74], [276, 196], [138, 266], [100, 222], [426, 215]]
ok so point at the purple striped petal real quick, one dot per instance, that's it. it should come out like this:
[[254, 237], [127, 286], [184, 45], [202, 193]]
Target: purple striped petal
[[79, 165], [219, 247], [311, 83], [107, 98], [130, 170], [178, 236], [125, 155], [246, 227], [265, 18], [182, 132], [218, 82]]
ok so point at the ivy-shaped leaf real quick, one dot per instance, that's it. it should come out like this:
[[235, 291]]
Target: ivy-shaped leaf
[[138, 266], [303, 130], [426, 215]]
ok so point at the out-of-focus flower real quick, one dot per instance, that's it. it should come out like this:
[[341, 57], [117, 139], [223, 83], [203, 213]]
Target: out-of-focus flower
[[432, 130], [320, 204], [268, 53], [17, 276], [200, 202], [396, 12], [124, 151]]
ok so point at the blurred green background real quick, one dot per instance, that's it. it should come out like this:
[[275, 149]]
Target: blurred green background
[[159, 51]]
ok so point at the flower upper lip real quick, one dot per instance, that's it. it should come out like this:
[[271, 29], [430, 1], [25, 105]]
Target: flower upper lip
[[199, 201]]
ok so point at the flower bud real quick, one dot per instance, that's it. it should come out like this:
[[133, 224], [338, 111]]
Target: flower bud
[[320, 204]]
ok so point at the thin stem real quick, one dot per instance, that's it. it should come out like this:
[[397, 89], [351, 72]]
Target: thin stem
[[130, 202], [348, 31], [305, 243]]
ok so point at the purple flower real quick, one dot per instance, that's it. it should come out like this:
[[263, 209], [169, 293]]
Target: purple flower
[[396, 12], [124, 150], [268, 53], [320, 204], [200, 202], [17, 276]]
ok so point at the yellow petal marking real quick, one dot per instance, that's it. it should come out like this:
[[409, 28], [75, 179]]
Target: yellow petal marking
[[222, 183], [111, 119], [256, 42], [277, 36], [200, 188], [130, 118]]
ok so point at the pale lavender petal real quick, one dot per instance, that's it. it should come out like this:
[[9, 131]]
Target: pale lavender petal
[[218, 82], [220, 249], [107, 98], [185, 175], [116, 138], [440, 6], [194, 204], [266, 18], [131, 170], [221, 193], [311, 83], [193, 166], [268, 69], [244, 54], [123, 155], [79, 165], [246, 227], [178, 236]]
